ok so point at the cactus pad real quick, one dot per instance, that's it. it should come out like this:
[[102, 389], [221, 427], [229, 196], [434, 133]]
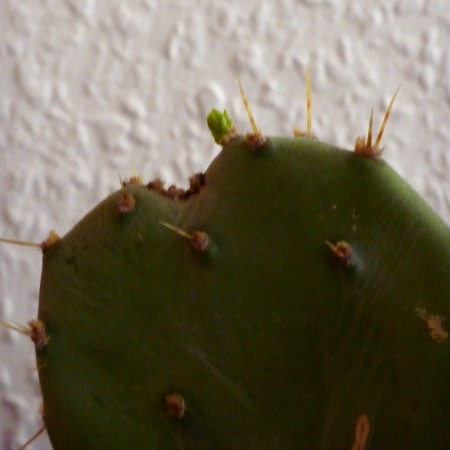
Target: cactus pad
[[294, 297]]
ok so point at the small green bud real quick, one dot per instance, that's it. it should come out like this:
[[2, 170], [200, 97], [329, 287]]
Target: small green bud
[[220, 125]]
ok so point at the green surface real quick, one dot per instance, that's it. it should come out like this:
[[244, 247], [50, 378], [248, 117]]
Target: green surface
[[220, 125], [270, 342]]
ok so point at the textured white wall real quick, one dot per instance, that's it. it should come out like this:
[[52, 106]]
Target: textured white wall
[[90, 89]]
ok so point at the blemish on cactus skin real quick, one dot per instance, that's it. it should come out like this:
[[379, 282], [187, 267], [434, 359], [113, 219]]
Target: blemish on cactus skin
[[196, 183], [173, 192], [35, 331], [175, 406], [255, 141], [343, 252], [362, 431], [435, 325], [126, 203], [52, 238], [200, 241], [38, 334]]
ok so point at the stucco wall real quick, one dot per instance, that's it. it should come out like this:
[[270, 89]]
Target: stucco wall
[[90, 90]]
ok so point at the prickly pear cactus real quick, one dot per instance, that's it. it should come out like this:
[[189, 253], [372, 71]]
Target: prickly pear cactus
[[294, 297]]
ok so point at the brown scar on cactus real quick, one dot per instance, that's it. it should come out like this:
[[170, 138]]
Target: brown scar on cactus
[[309, 132], [362, 431], [175, 406], [363, 146], [199, 239], [196, 184], [343, 252], [173, 192], [52, 238], [254, 140], [435, 325], [126, 203], [35, 330]]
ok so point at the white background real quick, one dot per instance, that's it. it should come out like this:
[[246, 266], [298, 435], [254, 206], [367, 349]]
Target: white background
[[90, 90]]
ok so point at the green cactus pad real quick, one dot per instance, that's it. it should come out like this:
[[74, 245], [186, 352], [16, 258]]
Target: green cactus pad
[[312, 319], [220, 125]]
